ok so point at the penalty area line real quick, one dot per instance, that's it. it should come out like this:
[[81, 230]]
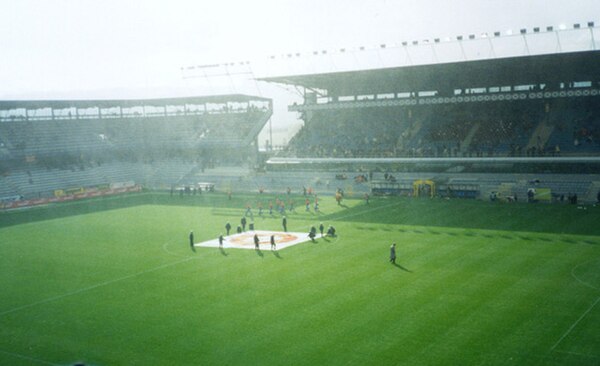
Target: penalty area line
[[574, 324], [165, 248], [574, 269], [343, 217], [93, 287], [28, 358]]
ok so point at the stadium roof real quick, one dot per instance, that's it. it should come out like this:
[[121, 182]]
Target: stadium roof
[[10, 104], [577, 66], [526, 57]]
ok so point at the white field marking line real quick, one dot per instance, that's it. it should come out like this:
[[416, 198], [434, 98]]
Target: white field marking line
[[166, 250], [28, 358], [364, 211], [575, 324], [101, 284], [581, 281], [576, 354], [78, 201]]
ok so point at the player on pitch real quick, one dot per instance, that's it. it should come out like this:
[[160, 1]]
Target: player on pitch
[[393, 254], [312, 233]]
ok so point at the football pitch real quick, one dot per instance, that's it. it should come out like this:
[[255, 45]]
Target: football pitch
[[115, 282]]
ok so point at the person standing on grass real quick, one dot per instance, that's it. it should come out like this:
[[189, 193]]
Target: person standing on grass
[[312, 233], [321, 228], [243, 222], [221, 241], [191, 239], [228, 227], [393, 254], [273, 246], [256, 241], [284, 223]]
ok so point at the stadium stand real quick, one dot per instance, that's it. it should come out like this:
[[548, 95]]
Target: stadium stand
[[471, 127], [455, 124], [50, 146]]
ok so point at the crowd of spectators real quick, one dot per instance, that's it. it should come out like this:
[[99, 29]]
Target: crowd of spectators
[[448, 131], [347, 136]]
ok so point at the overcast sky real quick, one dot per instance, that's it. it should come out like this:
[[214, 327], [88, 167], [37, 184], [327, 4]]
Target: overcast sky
[[136, 48]]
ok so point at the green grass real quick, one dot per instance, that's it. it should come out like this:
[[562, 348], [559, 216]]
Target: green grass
[[114, 282]]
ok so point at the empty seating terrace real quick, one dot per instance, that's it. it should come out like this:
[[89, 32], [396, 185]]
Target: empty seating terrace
[[47, 137], [51, 145], [41, 182]]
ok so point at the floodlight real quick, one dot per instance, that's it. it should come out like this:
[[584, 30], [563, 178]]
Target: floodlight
[[591, 24], [415, 43], [404, 43], [436, 40], [536, 29], [382, 45], [459, 38], [549, 28], [496, 34], [523, 31], [471, 36], [576, 26]]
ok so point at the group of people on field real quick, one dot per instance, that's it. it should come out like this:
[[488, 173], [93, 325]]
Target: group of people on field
[[312, 234]]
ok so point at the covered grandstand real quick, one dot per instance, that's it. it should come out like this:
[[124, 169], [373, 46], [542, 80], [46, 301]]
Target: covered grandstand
[[52, 147], [514, 109]]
